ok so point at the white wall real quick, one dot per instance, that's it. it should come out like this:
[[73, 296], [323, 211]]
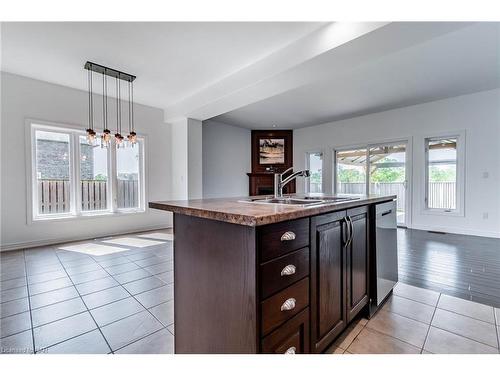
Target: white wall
[[226, 160], [478, 114], [24, 98]]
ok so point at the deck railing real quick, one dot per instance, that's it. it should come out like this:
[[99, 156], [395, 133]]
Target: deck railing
[[441, 194], [54, 195]]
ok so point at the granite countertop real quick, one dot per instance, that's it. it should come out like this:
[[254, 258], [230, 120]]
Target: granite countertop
[[242, 211]]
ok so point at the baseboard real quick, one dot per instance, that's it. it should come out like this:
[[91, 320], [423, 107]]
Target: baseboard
[[57, 241], [468, 232]]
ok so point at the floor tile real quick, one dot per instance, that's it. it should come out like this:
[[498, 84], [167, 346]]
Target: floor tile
[[168, 276], [426, 296], [83, 268], [104, 297], [12, 294], [47, 276], [150, 261], [35, 269], [89, 276], [53, 333], [165, 313], [158, 236], [113, 261], [50, 313], [161, 342], [347, 337], [121, 268], [15, 324], [160, 268], [48, 286], [443, 342], [334, 350], [125, 331], [13, 283], [54, 296], [94, 249], [171, 329], [140, 255], [117, 310], [134, 242], [14, 307], [372, 342], [136, 274], [78, 262], [143, 285], [472, 309], [96, 285], [156, 296], [89, 343], [464, 326], [20, 343], [409, 308], [398, 326]]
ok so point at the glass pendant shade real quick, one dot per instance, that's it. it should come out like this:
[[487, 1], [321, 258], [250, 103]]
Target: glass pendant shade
[[91, 135], [106, 137], [118, 139], [132, 138]]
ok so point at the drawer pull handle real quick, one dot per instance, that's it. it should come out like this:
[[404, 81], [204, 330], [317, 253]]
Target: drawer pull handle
[[288, 236], [289, 304], [288, 270], [291, 350]]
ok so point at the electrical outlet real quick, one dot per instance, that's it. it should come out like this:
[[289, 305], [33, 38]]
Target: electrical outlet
[[486, 174], [485, 215]]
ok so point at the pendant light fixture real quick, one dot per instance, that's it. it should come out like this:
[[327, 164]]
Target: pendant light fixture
[[106, 133], [91, 134], [118, 135], [132, 136], [106, 136]]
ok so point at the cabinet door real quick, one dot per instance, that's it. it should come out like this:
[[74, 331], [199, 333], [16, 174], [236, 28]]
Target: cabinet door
[[328, 279], [357, 262]]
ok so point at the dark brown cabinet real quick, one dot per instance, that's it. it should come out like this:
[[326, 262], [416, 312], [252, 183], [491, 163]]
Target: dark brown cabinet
[[339, 266], [357, 262]]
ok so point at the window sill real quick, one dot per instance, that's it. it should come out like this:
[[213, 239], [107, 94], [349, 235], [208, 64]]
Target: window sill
[[84, 216], [439, 212]]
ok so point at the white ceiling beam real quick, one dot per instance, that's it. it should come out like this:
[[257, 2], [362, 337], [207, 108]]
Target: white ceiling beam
[[332, 49]]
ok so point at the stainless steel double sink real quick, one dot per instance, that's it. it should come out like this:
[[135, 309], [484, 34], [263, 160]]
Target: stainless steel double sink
[[299, 201]]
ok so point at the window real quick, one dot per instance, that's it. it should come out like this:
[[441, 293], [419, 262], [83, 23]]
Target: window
[[94, 181], [52, 173], [127, 175], [444, 174], [73, 178], [351, 170], [314, 162]]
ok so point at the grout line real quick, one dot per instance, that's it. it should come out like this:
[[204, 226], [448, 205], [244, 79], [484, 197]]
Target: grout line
[[392, 337], [29, 306], [430, 324], [497, 328], [139, 339], [71, 338], [107, 343]]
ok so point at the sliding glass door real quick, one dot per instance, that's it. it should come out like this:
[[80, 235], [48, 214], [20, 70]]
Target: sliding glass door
[[388, 174], [374, 169]]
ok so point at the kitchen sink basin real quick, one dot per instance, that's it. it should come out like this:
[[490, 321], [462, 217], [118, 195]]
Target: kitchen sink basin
[[299, 201]]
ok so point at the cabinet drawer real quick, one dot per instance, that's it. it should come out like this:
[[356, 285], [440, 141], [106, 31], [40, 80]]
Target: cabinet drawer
[[291, 338], [281, 238], [281, 272], [282, 306]]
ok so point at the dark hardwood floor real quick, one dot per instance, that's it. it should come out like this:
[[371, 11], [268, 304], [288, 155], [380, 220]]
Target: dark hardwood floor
[[463, 266]]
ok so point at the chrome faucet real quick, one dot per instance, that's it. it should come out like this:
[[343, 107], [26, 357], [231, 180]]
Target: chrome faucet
[[279, 182]]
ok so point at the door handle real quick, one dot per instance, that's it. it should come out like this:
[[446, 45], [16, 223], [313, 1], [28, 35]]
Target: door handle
[[348, 230], [351, 230]]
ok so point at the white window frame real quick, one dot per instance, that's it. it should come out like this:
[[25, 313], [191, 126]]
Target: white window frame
[[307, 185], [75, 131], [460, 166]]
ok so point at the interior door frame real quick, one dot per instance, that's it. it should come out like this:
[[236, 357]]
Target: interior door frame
[[408, 169]]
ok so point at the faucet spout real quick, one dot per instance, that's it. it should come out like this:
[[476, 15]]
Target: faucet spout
[[279, 182]]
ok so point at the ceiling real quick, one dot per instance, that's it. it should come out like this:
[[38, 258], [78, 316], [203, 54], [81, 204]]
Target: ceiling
[[171, 60], [456, 63]]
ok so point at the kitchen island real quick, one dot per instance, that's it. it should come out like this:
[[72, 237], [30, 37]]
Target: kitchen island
[[257, 277]]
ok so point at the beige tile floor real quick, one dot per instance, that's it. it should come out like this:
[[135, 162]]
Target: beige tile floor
[[418, 321], [115, 295]]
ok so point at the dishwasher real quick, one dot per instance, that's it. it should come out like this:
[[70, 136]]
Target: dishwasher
[[384, 261]]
